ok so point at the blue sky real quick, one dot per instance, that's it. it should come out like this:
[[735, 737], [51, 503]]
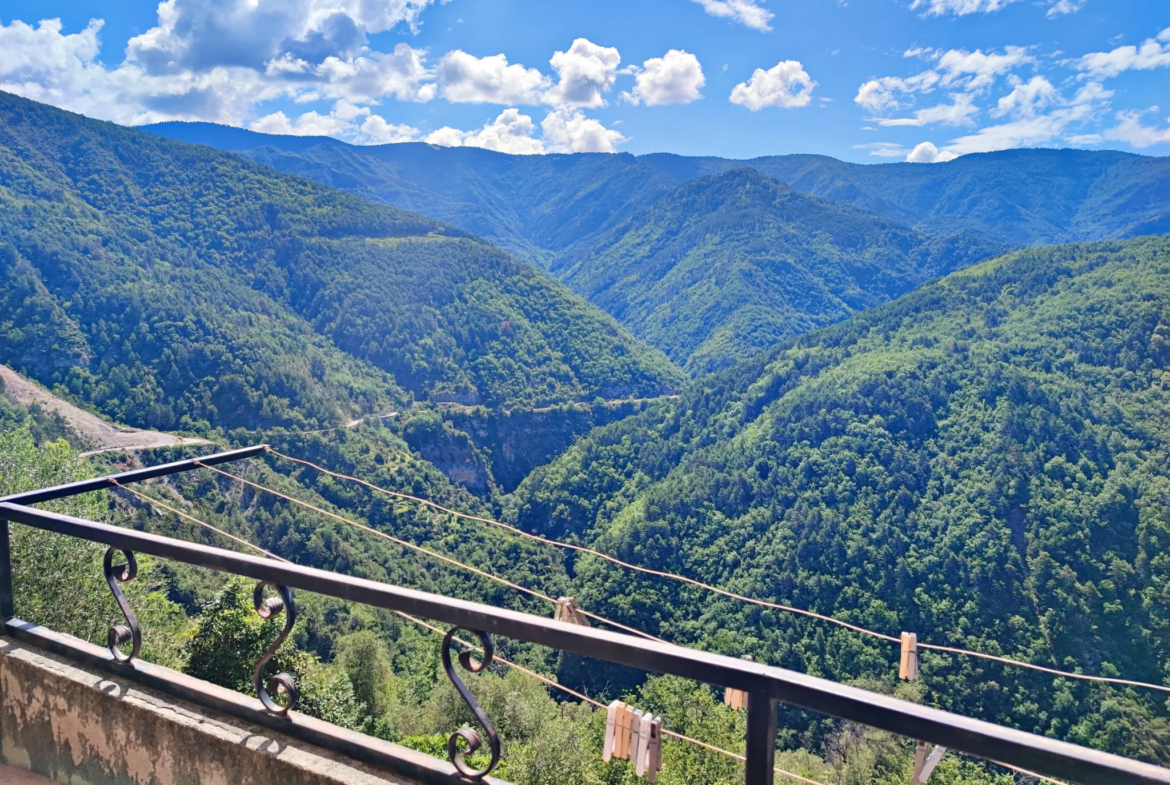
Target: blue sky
[[861, 80]]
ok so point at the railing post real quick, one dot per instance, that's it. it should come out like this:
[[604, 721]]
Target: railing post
[[761, 739], [7, 605]]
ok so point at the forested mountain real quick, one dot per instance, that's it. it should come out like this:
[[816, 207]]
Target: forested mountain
[[532, 206], [725, 266], [1015, 197], [171, 285], [536, 206], [985, 462]]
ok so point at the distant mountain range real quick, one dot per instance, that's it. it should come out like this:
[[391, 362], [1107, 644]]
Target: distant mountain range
[[546, 203], [709, 272]]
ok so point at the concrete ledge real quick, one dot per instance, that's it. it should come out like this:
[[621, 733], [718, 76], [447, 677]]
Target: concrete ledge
[[70, 724]]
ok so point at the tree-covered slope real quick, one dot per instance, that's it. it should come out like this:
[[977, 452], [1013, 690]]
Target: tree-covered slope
[[536, 206], [985, 462], [727, 265], [172, 285], [531, 206], [1015, 197]]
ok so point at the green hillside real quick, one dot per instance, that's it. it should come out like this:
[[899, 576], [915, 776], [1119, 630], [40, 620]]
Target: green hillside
[[726, 266], [171, 285], [1015, 197], [985, 462], [536, 206]]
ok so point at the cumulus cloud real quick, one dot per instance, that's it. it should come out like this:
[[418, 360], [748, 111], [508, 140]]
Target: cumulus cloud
[[749, 13], [217, 59], [956, 69], [465, 78], [786, 85], [197, 35], [1030, 128], [927, 153], [1153, 53], [879, 95], [1131, 130], [1026, 98], [585, 72], [674, 78], [511, 132], [344, 120], [1064, 7], [959, 7], [977, 70], [959, 111], [570, 131]]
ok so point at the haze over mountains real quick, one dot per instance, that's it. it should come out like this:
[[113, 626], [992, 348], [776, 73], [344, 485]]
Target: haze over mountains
[[711, 299]]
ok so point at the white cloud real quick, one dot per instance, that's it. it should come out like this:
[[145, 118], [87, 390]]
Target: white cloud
[[1033, 130], [375, 130], [747, 12], [465, 78], [216, 60], [881, 94], [786, 85], [883, 149], [345, 120], [1063, 7], [1130, 129], [970, 72], [976, 70], [674, 78], [511, 132], [569, 131], [1153, 53], [927, 153], [1026, 97], [958, 112], [959, 7], [586, 71]]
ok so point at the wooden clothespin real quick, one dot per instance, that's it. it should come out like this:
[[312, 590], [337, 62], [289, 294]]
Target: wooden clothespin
[[908, 668], [924, 764], [735, 699], [635, 736], [624, 725], [611, 725], [654, 764], [570, 612], [641, 756]]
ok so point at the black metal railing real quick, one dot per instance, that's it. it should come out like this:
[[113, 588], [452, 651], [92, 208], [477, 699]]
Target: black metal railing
[[764, 685]]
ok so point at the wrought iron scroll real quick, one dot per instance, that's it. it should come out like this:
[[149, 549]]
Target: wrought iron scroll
[[281, 683], [474, 742], [122, 634]]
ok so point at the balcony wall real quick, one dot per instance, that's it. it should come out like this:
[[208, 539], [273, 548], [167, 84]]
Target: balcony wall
[[75, 725]]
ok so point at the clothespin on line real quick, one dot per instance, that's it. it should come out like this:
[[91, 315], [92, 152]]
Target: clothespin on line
[[924, 764], [569, 611], [908, 667], [733, 698], [635, 736]]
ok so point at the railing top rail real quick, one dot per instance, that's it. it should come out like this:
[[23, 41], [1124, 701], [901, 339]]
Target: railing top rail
[[983, 739], [135, 475]]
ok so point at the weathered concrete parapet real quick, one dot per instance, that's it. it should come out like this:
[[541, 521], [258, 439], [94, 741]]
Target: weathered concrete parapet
[[79, 727]]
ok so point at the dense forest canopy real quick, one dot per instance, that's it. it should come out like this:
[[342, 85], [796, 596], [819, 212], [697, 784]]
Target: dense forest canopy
[[536, 206], [728, 265], [983, 462], [172, 286]]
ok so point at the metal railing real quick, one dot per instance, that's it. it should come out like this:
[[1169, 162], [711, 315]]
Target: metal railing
[[764, 685]]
